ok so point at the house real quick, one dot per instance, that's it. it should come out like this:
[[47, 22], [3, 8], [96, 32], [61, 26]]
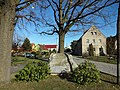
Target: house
[[92, 36], [17, 48], [51, 47], [32, 45], [43, 48]]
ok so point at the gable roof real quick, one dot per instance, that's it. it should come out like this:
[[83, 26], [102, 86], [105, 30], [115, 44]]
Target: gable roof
[[92, 27], [43, 47]]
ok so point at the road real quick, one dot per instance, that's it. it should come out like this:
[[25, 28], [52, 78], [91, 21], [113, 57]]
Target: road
[[103, 67]]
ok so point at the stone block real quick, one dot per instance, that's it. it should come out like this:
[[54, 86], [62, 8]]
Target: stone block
[[60, 62]]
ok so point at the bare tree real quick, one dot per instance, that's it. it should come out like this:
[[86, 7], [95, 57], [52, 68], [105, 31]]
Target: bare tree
[[67, 14]]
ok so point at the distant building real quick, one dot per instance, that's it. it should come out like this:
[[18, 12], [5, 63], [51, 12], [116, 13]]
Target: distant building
[[91, 36], [51, 47], [43, 48]]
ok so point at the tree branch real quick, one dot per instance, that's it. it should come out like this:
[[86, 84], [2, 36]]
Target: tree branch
[[53, 32], [27, 3], [23, 3], [54, 13], [51, 25], [90, 13], [55, 4]]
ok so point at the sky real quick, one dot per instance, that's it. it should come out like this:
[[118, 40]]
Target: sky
[[107, 30]]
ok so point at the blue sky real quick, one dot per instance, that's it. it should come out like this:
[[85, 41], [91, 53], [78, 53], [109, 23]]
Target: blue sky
[[107, 30]]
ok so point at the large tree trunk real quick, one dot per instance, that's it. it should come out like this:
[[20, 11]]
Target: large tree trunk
[[61, 43], [7, 16]]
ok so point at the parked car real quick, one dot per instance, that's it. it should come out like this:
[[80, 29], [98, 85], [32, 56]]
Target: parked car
[[29, 55]]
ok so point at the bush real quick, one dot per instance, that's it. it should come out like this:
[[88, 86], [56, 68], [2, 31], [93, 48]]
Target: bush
[[33, 71], [86, 73]]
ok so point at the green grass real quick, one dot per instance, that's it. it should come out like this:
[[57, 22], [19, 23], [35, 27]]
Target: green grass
[[21, 60], [102, 59], [55, 83]]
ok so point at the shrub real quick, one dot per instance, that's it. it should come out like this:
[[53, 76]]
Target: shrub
[[33, 71], [86, 73]]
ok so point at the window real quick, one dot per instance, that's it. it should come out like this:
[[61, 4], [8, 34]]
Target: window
[[87, 41], [93, 40], [93, 49], [100, 40], [92, 33], [95, 33]]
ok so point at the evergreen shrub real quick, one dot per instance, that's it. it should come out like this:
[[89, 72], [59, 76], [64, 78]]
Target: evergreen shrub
[[86, 73], [33, 71]]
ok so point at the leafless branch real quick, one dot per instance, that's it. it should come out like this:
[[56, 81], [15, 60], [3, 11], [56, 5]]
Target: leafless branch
[[54, 11], [48, 33], [24, 5]]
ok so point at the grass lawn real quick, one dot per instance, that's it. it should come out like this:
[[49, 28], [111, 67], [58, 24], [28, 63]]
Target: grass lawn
[[55, 83], [102, 59], [21, 60]]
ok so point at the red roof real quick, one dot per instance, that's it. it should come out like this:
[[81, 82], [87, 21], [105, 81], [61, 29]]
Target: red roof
[[50, 46], [46, 47]]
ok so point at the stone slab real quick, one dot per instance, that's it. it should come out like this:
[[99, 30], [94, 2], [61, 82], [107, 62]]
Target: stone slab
[[60, 62]]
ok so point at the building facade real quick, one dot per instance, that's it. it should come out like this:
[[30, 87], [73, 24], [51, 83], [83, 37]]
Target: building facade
[[91, 36]]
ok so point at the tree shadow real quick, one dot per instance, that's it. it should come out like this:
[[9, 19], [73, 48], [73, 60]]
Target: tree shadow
[[108, 81], [108, 78], [71, 69], [67, 75]]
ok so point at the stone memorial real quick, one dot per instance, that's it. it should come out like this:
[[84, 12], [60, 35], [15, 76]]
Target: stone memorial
[[60, 62]]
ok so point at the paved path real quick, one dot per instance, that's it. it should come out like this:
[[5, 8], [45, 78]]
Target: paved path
[[17, 68], [103, 67]]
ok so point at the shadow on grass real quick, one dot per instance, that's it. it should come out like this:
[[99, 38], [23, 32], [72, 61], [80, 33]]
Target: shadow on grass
[[104, 77], [108, 78], [67, 76], [107, 81]]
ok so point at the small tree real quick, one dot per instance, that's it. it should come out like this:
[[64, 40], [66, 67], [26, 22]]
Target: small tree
[[91, 51], [26, 45], [111, 45]]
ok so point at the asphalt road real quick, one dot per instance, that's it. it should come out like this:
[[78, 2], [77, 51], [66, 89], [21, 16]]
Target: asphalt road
[[103, 67]]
